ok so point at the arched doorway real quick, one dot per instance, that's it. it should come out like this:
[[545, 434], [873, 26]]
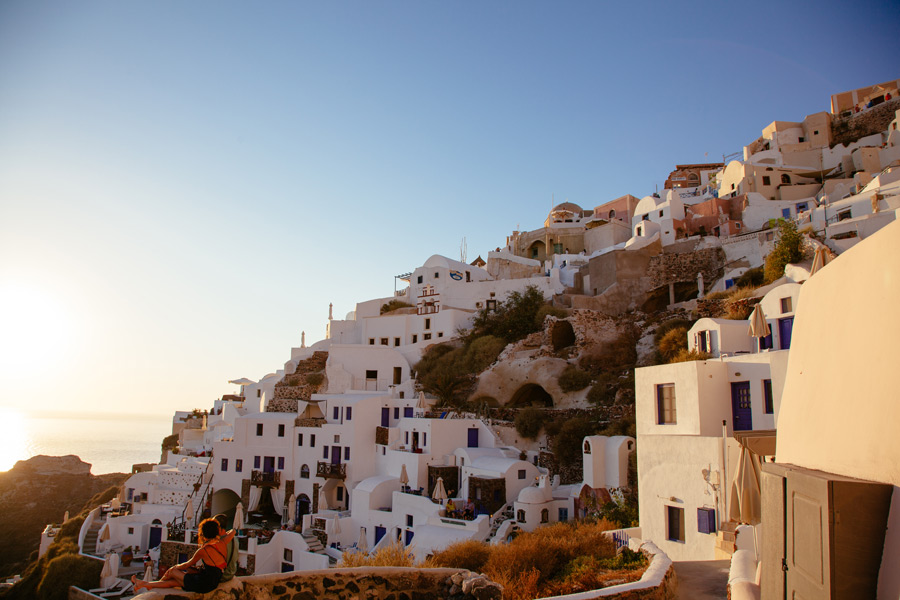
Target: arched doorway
[[537, 251], [304, 505], [562, 335], [531, 394], [224, 501], [155, 534]]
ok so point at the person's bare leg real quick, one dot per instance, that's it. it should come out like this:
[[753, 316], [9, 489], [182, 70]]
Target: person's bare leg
[[172, 578]]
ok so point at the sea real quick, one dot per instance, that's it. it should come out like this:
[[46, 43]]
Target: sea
[[111, 443]]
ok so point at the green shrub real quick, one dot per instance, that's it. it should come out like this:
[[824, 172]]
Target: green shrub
[[788, 249], [689, 355], [573, 379], [567, 443], [529, 422], [393, 305], [513, 319], [67, 570], [751, 278], [548, 309], [603, 392], [663, 329], [483, 351], [315, 378], [674, 341]]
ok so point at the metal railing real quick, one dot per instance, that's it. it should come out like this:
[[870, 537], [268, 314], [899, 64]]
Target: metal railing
[[331, 470], [265, 479]]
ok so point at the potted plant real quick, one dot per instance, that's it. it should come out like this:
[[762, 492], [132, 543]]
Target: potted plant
[[127, 556]]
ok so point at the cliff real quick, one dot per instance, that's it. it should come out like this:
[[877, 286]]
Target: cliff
[[39, 491]]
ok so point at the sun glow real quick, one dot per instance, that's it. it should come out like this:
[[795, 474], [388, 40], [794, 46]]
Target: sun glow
[[34, 328], [14, 433]]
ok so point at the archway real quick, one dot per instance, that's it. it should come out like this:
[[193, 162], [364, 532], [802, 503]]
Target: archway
[[303, 507], [562, 335], [531, 394], [537, 251], [224, 502]]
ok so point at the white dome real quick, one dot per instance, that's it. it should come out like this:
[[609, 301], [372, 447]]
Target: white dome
[[533, 495]]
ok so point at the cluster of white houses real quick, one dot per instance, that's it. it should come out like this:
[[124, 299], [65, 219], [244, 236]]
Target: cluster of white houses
[[356, 462]]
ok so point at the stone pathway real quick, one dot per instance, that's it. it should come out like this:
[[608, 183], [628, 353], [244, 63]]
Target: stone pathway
[[702, 579]]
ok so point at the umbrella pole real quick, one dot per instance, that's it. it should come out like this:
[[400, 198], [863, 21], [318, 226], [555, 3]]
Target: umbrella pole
[[724, 474]]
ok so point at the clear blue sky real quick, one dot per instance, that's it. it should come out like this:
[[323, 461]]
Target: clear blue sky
[[185, 186]]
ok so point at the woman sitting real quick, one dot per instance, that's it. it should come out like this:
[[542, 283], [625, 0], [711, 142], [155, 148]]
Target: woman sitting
[[190, 577]]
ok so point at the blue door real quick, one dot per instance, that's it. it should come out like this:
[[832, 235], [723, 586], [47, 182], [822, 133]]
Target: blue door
[[408, 412], [385, 417], [473, 437], [155, 537], [269, 464], [785, 326], [335, 455], [379, 533], [740, 406], [409, 537]]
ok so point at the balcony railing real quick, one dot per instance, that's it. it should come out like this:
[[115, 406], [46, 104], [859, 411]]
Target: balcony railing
[[331, 470], [263, 479]]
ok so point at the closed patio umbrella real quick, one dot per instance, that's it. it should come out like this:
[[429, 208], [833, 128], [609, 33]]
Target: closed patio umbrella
[[292, 509], [65, 517], [238, 516], [759, 328], [148, 572], [323, 500], [820, 259], [189, 511], [439, 494], [104, 533], [362, 545], [421, 404], [746, 503], [404, 476], [337, 525], [110, 571]]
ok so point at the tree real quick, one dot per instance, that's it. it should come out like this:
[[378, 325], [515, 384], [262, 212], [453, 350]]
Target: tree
[[788, 249]]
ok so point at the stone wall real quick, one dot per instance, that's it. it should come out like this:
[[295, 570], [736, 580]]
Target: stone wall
[[293, 388], [383, 583], [875, 120], [669, 268]]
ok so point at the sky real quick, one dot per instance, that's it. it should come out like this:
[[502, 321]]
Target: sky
[[186, 186]]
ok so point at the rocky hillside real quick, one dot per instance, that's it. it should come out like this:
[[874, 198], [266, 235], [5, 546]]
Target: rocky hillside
[[39, 491]]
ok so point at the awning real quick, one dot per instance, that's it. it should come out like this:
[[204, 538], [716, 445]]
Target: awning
[[761, 442]]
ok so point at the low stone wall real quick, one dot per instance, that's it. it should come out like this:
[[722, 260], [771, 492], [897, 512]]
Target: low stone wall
[[875, 120], [383, 583]]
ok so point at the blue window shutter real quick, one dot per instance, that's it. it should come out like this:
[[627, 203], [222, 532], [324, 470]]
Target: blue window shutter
[[706, 520]]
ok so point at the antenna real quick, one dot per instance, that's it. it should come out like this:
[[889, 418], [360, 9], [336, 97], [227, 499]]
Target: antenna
[[463, 250]]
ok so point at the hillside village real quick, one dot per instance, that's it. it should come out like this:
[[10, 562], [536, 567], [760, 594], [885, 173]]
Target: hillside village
[[652, 381]]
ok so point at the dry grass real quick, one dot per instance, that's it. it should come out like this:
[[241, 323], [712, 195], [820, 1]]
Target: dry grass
[[468, 554], [393, 555]]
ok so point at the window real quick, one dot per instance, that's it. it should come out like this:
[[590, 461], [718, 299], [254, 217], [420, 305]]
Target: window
[[224, 464], [288, 554], [674, 524], [131, 531], [637, 230], [384, 341], [347, 453], [238, 465], [767, 396], [396, 412], [258, 393], [534, 252], [661, 213], [612, 214], [786, 179], [371, 373], [520, 516], [337, 410], [426, 336], [440, 334], [767, 180], [409, 520], [786, 213], [415, 338], [521, 473], [255, 462], [349, 413], [427, 323], [766, 343], [259, 429], [563, 515], [312, 440], [786, 305], [424, 439], [816, 132], [325, 451], [665, 404], [801, 139], [706, 520], [281, 431], [557, 248], [304, 472], [396, 341], [801, 206], [300, 439], [371, 341], [340, 494], [280, 463], [468, 276], [844, 215], [408, 412], [545, 516], [437, 275], [337, 439], [419, 279]]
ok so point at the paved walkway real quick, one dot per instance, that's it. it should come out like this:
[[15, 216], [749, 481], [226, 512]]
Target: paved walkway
[[702, 579]]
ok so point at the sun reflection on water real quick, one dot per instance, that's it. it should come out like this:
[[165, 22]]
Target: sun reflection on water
[[14, 433]]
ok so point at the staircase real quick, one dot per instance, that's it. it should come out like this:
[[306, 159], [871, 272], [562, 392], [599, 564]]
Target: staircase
[[315, 545], [90, 538], [726, 539], [504, 515]]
